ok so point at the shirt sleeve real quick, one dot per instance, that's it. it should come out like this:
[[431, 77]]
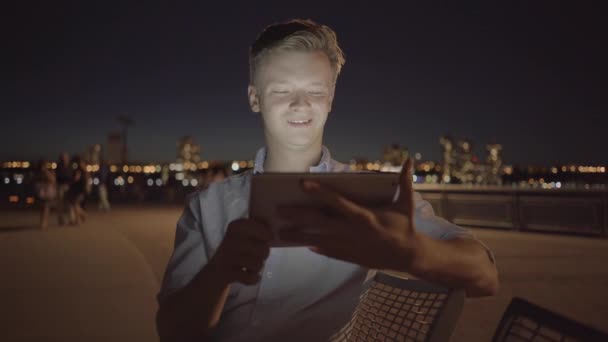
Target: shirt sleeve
[[190, 251], [437, 227], [434, 226]]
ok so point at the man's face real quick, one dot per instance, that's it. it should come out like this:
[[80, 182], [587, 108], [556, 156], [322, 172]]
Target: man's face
[[294, 92]]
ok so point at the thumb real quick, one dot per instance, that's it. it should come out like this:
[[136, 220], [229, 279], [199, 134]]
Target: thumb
[[405, 202]]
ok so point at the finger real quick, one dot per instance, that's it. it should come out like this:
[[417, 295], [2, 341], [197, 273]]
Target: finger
[[258, 229], [405, 202], [249, 265], [249, 228], [337, 202], [249, 249], [256, 253], [247, 278]]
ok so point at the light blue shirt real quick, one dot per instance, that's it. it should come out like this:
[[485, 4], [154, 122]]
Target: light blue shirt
[[302, 295]]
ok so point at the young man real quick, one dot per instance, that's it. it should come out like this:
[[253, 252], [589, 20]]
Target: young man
[[224, 282]]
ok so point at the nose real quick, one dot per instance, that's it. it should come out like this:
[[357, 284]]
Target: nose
[[299, 101]]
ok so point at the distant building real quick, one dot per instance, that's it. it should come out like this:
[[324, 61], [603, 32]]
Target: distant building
[[188, 156], [115, 150], [188, 151], [460, 165], [448, 159], [465, 161], [395, 155], [92, 155], [494, 164]]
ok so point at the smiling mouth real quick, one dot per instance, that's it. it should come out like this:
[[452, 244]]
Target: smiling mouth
[[300, 123]]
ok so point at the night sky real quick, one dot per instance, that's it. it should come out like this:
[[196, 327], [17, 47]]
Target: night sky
[[532, 78]]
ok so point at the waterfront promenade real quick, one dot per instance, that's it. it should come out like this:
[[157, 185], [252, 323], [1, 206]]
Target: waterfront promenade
[[98, 282]]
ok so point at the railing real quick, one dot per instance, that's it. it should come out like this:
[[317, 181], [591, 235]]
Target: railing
[[550, 210], [556, 210]]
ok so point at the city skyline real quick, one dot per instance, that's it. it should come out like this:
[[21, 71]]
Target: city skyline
[[112, 151], [528, 77]]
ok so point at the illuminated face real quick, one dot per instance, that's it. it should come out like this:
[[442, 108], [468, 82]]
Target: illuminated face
[[294, 92]]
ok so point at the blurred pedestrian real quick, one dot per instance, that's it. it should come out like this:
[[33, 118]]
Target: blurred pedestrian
[[170, 188], [46, 191], [79, 188], [102, 189], [63, 175]]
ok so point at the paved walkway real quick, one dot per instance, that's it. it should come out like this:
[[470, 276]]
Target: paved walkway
[[97, 282]]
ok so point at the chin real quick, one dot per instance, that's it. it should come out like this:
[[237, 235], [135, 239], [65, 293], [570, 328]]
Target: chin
[[297, 138], [299, 145], [299, 142]]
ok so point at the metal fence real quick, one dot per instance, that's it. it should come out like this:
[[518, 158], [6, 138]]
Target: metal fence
[[557, 210]]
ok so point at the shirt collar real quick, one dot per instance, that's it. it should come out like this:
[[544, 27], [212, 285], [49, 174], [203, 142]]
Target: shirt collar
[[323, 166]]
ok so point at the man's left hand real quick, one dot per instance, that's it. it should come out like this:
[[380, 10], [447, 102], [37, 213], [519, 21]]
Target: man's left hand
[[379, 238]]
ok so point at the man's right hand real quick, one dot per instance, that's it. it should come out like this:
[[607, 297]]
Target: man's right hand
[[241, 255], [196, 309]]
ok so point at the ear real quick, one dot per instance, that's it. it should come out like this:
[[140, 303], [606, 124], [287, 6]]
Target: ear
[[254, 99]]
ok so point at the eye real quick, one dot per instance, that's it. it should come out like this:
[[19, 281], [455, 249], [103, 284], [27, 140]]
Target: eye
[[316, 93], [280, 91]]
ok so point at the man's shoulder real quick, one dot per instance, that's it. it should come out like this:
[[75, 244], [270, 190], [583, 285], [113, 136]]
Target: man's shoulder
[[238, 182], [234, 185]]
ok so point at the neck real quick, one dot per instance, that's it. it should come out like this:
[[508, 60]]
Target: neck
[[280, 159]]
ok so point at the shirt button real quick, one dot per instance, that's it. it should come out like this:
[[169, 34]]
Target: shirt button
[[269, 274]]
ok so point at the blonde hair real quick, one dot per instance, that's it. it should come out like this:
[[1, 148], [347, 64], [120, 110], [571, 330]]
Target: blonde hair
[[296, 35]]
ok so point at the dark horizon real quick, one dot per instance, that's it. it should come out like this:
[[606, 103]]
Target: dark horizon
[[528, 76]]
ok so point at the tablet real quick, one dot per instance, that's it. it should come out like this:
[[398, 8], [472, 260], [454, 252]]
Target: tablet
[[269, 190]]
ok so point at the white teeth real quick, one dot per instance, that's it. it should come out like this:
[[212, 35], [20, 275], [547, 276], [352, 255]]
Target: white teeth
[[299, 121]]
